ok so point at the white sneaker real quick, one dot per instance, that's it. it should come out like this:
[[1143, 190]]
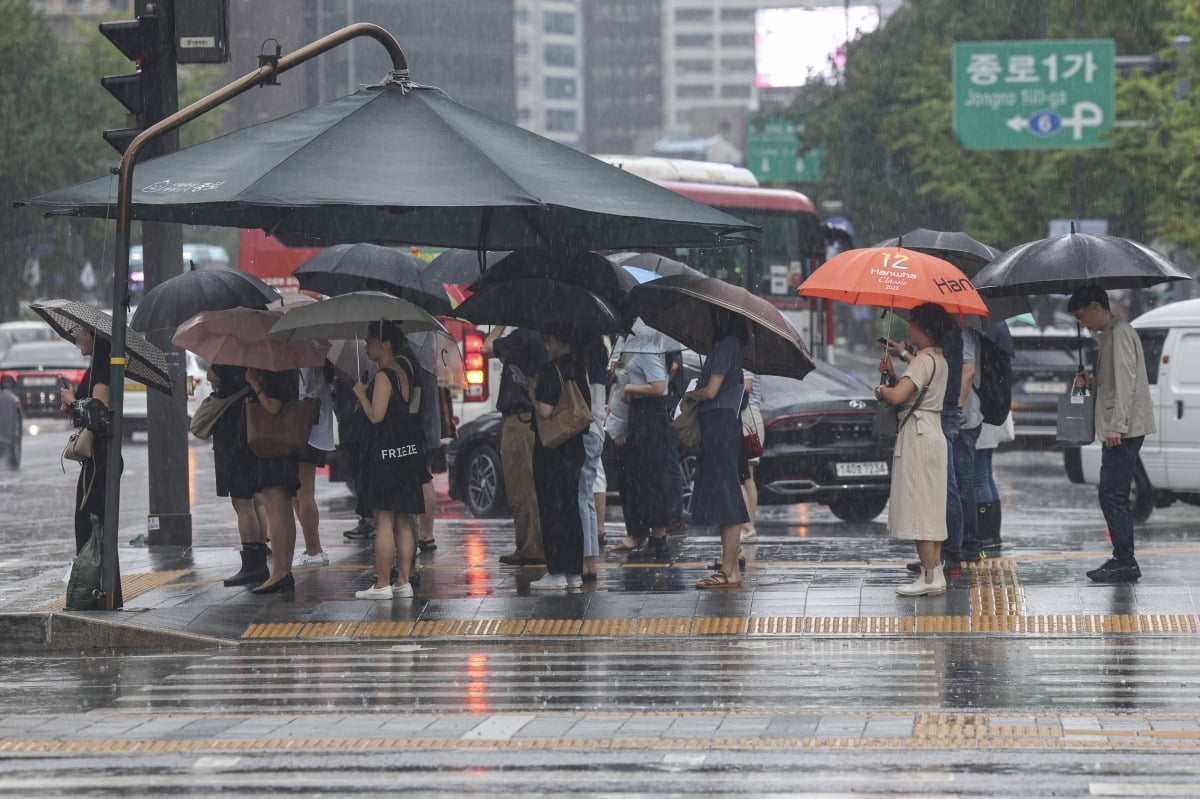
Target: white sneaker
[[551, 582], [930, 582], [574, 581], [377, 593], [305, 559], [403, 591], [749, 536]]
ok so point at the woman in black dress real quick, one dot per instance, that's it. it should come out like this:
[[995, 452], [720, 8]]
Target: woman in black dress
[[278, 480], [236, 469], [396, 475], [556, 471], [89, 490]]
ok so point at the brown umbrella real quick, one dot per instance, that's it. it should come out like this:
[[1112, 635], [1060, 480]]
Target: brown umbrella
[[685, 307]]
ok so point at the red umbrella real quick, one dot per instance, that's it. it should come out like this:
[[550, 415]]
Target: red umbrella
[[894, 277], [238, 337]]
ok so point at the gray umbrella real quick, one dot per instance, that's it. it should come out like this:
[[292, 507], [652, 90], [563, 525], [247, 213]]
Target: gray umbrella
[[146, 363], [1061, 264], [402, 163]]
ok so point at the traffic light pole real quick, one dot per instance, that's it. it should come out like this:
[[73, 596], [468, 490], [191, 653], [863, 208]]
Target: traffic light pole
[[269, 69], [169, 522]]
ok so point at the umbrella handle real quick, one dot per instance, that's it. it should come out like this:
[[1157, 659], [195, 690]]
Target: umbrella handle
[[1079, 342]]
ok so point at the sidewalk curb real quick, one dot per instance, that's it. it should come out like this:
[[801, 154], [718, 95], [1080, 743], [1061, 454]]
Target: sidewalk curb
[[28, 633]]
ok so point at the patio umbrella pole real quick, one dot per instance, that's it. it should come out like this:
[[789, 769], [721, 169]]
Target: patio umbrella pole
[[270, 67]]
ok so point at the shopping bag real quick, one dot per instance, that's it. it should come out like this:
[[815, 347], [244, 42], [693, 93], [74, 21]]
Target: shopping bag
[[1076, 418], [83, 587], [571, 416]]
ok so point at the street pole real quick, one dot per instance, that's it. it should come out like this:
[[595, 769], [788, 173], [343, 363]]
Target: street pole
[[269, 68], [169, 523]]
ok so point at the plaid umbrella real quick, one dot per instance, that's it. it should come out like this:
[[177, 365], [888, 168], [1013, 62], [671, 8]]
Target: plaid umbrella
[[146, 363]]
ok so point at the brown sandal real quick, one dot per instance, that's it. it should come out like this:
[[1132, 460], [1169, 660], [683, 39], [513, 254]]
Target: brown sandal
[[718, 580], [634, 547]]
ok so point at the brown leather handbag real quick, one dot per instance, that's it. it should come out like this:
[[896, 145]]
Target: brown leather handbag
[[284, 435], [571, 416]]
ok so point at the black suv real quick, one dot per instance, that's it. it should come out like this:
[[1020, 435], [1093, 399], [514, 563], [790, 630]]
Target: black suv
[[817, 448]]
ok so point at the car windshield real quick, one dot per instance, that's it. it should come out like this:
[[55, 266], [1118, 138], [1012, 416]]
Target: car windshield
[[49, 353]]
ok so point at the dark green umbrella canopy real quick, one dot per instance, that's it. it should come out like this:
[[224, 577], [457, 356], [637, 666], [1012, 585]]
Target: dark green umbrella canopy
[[392, 164]]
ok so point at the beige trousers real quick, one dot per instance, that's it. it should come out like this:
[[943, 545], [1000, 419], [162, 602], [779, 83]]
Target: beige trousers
[[516, 457]]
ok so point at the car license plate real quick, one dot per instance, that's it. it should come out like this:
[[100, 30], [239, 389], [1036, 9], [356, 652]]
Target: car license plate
[[1048, 387], [39, 381], [872, 469]]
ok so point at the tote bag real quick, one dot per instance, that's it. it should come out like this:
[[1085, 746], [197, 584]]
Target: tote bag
[[1076, 418], [284, 435], [211, 409], [687, 428], [571, 416]]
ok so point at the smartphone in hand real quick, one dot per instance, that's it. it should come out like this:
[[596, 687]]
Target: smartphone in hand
[[519, 377], [63, 382]]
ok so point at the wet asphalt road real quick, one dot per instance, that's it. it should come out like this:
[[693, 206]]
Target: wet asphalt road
[[688, 715]]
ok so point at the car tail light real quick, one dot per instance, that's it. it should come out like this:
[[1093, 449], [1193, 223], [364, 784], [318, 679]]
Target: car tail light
[[475, 365], [74, 375], [797, 422]]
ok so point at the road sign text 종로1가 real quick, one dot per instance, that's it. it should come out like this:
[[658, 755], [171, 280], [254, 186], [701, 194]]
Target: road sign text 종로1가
[[1040, 94]]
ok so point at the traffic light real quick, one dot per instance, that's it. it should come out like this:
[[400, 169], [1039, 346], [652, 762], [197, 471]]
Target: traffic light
[[141, 93]]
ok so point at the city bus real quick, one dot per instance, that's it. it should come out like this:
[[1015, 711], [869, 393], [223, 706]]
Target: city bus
[[776, 261]]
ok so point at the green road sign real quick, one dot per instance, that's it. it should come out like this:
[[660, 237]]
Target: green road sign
[[1025, 95], [775, 153]]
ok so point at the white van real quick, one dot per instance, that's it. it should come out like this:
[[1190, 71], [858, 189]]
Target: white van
[[1170, 458]]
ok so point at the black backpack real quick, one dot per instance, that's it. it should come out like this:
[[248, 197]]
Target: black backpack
[[994, 368]]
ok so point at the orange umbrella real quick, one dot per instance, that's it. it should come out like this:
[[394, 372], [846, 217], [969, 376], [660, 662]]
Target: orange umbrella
[[893, 277]]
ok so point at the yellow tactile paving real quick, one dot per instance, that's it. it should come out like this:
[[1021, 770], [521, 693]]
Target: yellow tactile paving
[[132, 585], [666, 626], [497, 627], [552, 626], [720, 626], [442, 627], [287, 630], [608, 627], [383, 629], [332, 629]]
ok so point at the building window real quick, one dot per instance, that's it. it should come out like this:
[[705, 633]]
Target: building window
[[737, 64], [523, 115], [560, 88], [693, 15], [694, 92], [737, 14], [694, 40], [694, 66], [559, 22], [737, 39], [522, 48], [735, 90], [521, 16], [560, 120], [560, 55], [522, 81]]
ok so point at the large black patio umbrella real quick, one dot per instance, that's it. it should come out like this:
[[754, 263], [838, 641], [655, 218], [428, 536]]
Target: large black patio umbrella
[[400, 163], [344, 268], [1061, 264], [177, 299]]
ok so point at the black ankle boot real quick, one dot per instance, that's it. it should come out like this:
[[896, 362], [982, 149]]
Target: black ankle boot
[[254, 566], [989, 526]]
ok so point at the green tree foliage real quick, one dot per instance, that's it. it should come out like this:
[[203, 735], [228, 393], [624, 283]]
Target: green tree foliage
[[894, 159]]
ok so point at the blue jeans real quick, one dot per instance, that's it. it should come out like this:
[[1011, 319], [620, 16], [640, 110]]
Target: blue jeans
[[1116, 476], [674, 479], [952, 547], [985, 479], [593, 446], [964, 474]]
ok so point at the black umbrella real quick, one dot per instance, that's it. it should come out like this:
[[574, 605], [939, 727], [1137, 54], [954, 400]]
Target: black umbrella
[[177, 299], [583, 268], [461, 266], [1061, 264], [536, 302], [652, 262], [684, 307], [344, 268], [968, 254], [146, 363], [406, 164]]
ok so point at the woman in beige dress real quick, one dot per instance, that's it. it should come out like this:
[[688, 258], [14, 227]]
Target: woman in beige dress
[[917, 509]]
